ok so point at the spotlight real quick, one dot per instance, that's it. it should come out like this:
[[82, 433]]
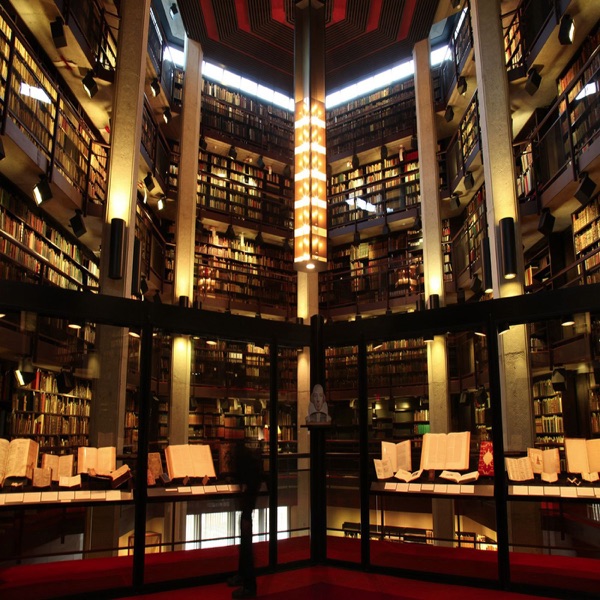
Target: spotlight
[[509, 248], [42, 191], [77, 224], [567, 321], [155, 87], [469, 180], [461, 86], [89, 84], [534, 79], [149, 182], [428, 337], [260, 163], [454, 202], [232, 153], [355, 162], [449, 114], [57, 30], [586, 188], [166, 115], [25, 374], [546, 222], [566, 30], [203, 144], [173, 10]]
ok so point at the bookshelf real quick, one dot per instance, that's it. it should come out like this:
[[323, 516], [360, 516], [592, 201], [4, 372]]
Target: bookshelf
[[57, 420], [447, 249], [410, 419], [594, 411], [469, 131], [586, 237], [548, 413]]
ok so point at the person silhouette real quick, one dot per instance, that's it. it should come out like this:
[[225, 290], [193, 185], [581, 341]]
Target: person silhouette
[[318, 411]]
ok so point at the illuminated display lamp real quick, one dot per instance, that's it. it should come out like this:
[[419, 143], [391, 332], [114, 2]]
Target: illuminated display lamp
[[449, 114], [534, 80], [42, 191], [89, 84], [559, 383], [566, 30], [25, 374], [57, 29], [149, 182], [155, 87], [461, 86], [509, 247], [160, 204]]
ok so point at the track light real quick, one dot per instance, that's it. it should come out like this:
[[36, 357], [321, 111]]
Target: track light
[[42, 191], [155, 87], [166, 115], [469, 180], [260, 163], [57, 29], [232, 153], [428, 337], [89, 84], [149, 182], [586, 188], [173, 10], [566, 30], [534, 79], [203, 144], [25, 374], [546, 222], [355, 162], [449, 114], [461, 86], [509, 247], [77, 224]]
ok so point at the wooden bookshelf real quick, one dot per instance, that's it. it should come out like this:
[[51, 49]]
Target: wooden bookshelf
[[586, 240], [548, 413]]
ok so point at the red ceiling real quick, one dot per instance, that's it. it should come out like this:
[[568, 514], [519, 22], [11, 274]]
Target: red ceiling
[[256, 37]]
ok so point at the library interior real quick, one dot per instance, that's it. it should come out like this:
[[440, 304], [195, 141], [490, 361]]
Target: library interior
[[359, 237]]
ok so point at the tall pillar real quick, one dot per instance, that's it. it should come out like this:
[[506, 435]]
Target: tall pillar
[[502, 202], [108, 408], [433, 266]]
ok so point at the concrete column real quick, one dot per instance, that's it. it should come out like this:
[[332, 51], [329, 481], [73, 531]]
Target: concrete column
[[501, 199]]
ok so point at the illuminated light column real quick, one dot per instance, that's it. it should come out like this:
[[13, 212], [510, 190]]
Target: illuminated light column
[[310, 185]]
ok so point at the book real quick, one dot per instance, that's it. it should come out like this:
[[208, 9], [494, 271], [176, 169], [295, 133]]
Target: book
[[407, 476], [544, 461], [398, 453], [119, 476], [101, 460], [460, 478], [519, 469], [486, 459], [42, 477], [383, 468], [583, 456], [70, 482], [446, 451], [189, 460], [60, 465], [18, 458], [155, 469]]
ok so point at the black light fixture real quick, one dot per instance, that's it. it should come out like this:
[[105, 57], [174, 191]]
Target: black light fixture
[[184, 301], [258, 240], [260, 162], [449, 114], [461, 86], [546, 222], [414, 142], [534, 79], [356, 236], [149, 182], [230, 233], [476, 285], [434, 301], [78, 224], [65, 382], [167, 115], [203, 144], [566, 30], [454, 202], [355, 162], [57, 29], [486, 266], [287, 171], [286, 245], [386, 229], [586, 188], [173, 10], [155, 87], [559, 383], [469, 180], [89, 84], [116, 250], [2, 151], [232, 152], [383, 152], [428, 337], [143, 286], [25, 374], [509, 247], [42, 191]]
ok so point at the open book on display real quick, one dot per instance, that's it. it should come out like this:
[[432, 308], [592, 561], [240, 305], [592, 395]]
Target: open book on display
[[189, 460], [407, 476], [18, 458], [398, 453], [583, 456], [101, 460], [61, 466], [446, 451], [460, 478]]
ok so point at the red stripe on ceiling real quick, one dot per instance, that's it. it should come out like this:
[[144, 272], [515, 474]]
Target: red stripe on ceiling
[[241, 10], [209, 19], [407, 17], [339, 11], [278, 12], [374, 15]]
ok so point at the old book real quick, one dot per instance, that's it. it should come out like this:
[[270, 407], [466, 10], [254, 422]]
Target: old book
[[519, 469], [460, 478], [119, 476], [407, 476], [101, 460], [383, 468], [544, 461], [398, 453], [70, 482], [485, 466], [42, 477], [443, 451], [155, 469], [189, 460], [583, 456], [62, 466], [18, 458]]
